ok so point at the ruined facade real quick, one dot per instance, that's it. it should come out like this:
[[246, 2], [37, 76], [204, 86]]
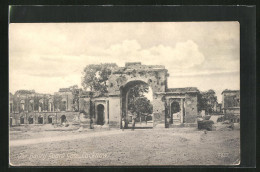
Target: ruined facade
[[170, 106], [29, 107]]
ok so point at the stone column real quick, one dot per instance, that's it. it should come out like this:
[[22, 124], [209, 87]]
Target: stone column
[[181, 110], [96, 115], [105, 113], [107, 119], [159, 112], [126, 110]]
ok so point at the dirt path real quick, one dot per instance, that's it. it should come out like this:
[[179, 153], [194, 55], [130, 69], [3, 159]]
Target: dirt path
[[178, 146], [25, 142]]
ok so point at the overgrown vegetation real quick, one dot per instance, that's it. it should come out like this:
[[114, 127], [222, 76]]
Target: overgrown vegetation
[[95, 77]]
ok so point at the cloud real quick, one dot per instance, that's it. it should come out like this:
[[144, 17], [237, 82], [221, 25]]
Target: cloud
[[60, 51], [183, 55]]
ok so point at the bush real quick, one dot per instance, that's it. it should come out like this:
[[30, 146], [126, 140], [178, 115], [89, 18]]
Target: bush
[[205, 125]]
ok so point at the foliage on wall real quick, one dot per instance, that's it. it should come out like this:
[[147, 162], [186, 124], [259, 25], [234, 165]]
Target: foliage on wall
[[95, 77]]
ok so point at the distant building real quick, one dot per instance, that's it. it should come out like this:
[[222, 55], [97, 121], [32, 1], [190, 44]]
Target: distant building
[[29, 107], [219, 107], [231, 103]]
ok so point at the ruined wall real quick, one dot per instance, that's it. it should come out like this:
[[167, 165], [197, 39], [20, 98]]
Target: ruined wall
[[68, 97], [191, 109], [85, 106], [72, 117], [159, 111], [114, 112], [154, 77], [231, 99]]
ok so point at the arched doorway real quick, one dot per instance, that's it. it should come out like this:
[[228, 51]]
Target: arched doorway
[[100, 114], [49, 119], [63, 119], [136, 104], [30, 120], [21, 120], [22, 105], [175, 112], [40, 120]]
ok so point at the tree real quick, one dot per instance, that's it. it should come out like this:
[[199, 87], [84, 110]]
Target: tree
[[142, 106], [137, 102], [207, 100], [95, 77]]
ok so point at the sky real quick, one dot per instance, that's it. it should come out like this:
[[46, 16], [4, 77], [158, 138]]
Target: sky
[[49, 56]]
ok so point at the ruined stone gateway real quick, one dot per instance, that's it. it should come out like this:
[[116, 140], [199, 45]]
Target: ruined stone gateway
[[171, 106]]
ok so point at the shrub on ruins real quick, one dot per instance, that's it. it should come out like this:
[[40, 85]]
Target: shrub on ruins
[[95, 77]]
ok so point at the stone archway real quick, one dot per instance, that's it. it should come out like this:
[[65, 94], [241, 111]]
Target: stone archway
[[125, 113], [21, 120], [50, 119], [40, 119], [153, 75], [100, 114], [175, 112], [63, 119], [30, 120]]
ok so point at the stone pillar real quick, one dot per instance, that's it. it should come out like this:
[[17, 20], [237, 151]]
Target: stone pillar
[[181, 110], [107, 119], [158, 112], [105, 113], [96, 115], [114, 111], [126, 110]]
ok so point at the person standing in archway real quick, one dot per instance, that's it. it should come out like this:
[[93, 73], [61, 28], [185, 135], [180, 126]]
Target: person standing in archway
[[133, 120], [123, 123], [91, 124]]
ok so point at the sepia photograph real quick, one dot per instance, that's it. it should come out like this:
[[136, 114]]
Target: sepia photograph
[[124, 94]]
